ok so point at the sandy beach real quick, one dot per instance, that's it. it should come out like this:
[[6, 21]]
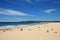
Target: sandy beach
[[48, 31]]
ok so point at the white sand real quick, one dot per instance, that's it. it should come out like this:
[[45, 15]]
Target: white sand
[[50, 31]]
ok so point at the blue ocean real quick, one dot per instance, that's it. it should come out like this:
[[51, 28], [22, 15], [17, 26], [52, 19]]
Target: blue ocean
[[20, 24], [16, 24]]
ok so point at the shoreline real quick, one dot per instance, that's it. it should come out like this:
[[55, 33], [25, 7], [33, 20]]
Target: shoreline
[[20, 26], [26, 26]]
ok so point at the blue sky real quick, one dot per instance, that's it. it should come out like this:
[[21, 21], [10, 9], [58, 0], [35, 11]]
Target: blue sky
[[22, 10]]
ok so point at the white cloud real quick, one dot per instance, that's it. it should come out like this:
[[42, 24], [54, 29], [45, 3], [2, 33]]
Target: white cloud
[[12, 12], [49, 11]]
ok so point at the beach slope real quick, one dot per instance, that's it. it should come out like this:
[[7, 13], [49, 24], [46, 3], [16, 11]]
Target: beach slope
[[48, 31]]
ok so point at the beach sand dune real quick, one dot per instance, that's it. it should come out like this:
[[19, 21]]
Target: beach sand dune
[[48, 31]]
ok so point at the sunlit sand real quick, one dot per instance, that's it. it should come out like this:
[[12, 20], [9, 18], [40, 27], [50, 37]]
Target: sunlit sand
[[48, 31]]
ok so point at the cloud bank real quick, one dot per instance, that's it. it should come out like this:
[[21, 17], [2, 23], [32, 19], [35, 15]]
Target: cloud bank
[[48, 11], [12, 12]]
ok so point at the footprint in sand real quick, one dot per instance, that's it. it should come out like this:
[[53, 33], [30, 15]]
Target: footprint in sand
[[3, 30], [38, 27], [51, 29], [55, 32], [18, 29], [21, 29], [47, 31], [29, 29]]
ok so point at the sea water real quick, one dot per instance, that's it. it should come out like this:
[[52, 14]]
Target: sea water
[[17, 24]]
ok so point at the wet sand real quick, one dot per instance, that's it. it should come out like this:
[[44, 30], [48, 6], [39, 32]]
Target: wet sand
[[48, 31]]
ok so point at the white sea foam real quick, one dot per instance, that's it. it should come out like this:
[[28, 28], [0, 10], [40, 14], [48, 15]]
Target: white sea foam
[[11, 26]]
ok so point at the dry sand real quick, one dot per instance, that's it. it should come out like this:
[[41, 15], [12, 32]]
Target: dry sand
[[48, 31]]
